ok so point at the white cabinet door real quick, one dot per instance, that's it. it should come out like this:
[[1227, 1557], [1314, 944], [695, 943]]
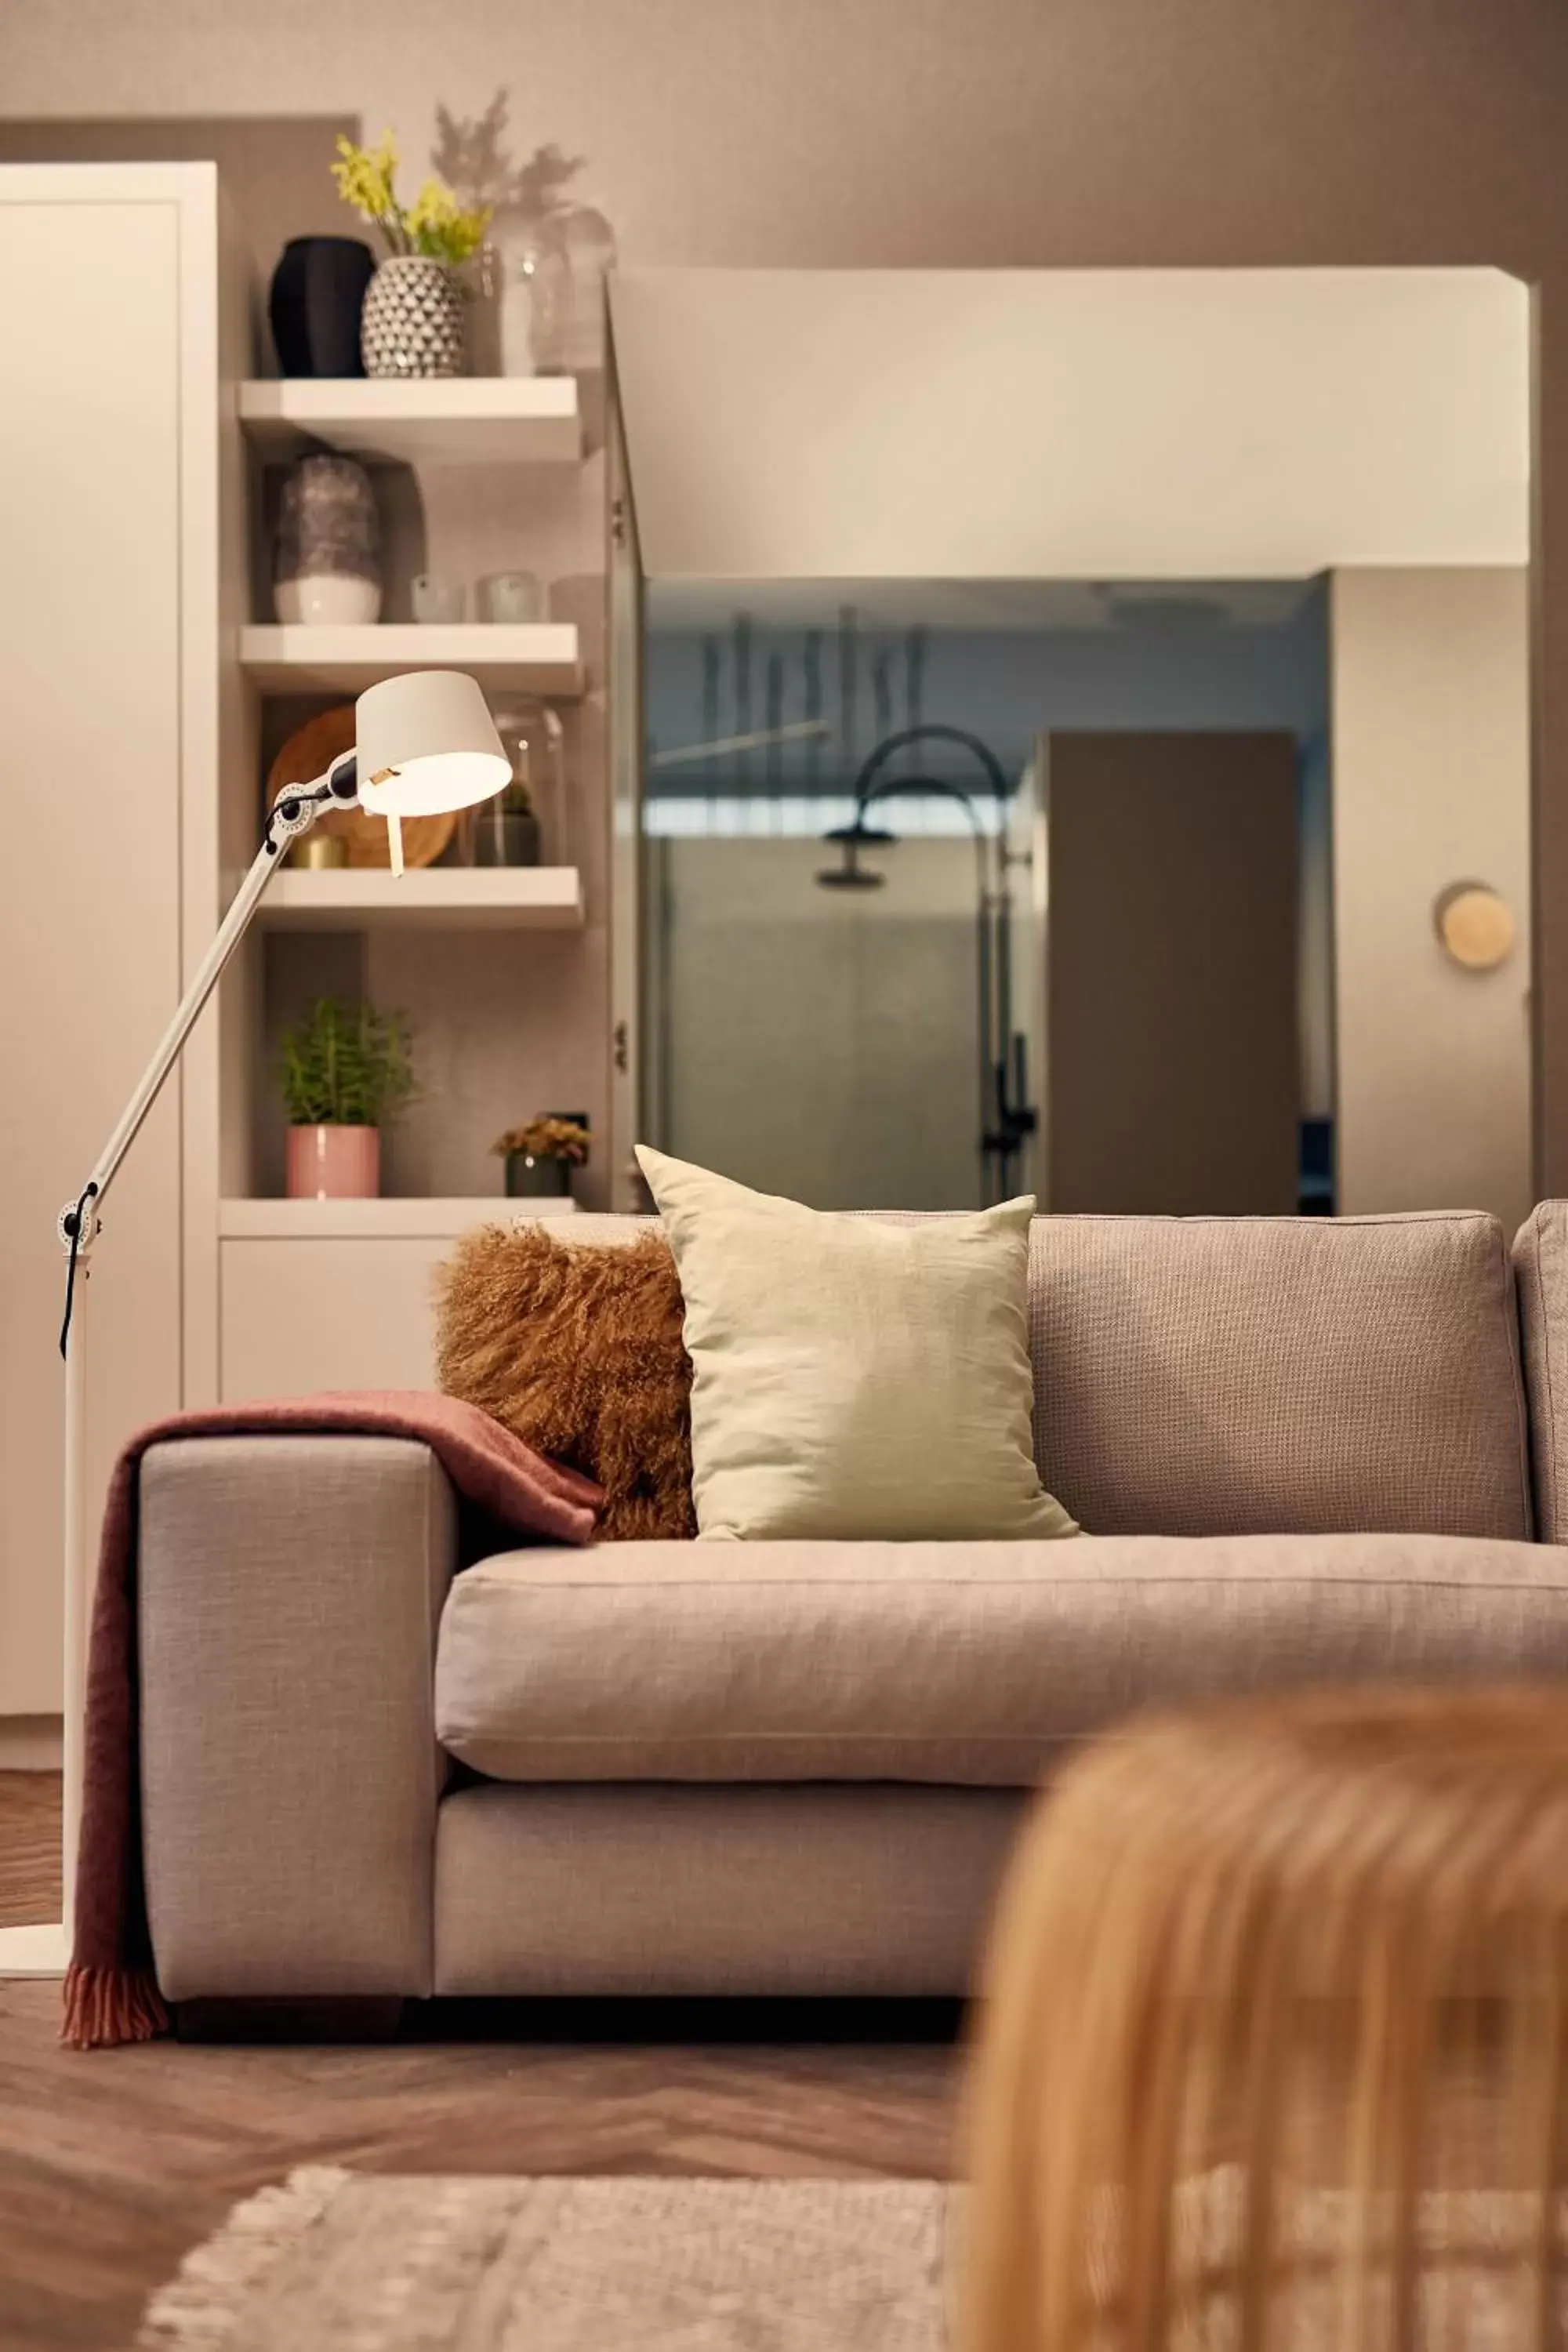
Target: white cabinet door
[[298, 1315], [90, 853]]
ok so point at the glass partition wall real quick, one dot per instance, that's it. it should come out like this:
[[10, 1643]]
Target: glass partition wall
[[846, 863], [1084, 736]]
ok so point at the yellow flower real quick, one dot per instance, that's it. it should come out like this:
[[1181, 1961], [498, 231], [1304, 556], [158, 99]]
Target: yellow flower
[[440, 225], [367, 177], [435, 224]]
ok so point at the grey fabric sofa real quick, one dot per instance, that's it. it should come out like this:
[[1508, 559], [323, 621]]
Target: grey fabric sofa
[[1304, 1451]]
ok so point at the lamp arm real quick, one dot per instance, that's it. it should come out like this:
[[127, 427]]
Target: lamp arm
[[293, 812]]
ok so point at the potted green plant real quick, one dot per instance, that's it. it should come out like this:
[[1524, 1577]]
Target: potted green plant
[[344, 1070], [412, 322], [541, 1155]]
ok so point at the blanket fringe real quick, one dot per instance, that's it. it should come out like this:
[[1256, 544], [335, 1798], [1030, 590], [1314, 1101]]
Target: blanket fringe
[[104, 2007]]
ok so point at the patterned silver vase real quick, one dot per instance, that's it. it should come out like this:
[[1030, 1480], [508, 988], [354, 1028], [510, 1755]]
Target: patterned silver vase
[[412, 323], [328, 566]]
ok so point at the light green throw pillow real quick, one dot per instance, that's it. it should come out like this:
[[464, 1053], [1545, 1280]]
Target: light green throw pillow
[[854, 1378]]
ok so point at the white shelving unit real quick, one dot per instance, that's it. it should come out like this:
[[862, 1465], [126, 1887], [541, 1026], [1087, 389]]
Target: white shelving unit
[[424, 1219], [538, 657], [338, 1294], [439, 421], [358, 898]]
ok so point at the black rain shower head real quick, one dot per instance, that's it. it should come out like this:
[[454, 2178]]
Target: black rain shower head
[[852, 839]]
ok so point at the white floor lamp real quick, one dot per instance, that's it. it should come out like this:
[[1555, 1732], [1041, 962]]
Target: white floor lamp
[[424, 744]]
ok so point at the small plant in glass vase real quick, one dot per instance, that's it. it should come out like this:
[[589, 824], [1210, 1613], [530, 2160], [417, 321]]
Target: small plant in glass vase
[[412, 323], [541, 1155], [344, 1071]]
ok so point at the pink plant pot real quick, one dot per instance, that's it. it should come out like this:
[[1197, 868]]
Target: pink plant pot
[[334, 1163]]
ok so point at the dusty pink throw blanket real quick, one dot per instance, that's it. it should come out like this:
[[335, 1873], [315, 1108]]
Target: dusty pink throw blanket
[[111, 1992]]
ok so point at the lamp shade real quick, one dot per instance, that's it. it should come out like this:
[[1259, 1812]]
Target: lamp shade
[[425, 743]]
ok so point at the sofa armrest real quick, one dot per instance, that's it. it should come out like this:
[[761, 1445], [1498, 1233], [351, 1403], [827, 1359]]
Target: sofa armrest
[[288, 1591], [1540, 1271]]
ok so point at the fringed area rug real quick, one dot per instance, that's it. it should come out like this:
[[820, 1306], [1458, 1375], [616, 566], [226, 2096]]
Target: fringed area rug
[[368, 2263]]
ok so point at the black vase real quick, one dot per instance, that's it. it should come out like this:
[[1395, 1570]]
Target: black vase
[[318, 292]]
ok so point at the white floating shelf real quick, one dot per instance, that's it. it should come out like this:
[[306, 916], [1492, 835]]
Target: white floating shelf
[[426, 421], [379, 1220], [437, 897], [542, 656]]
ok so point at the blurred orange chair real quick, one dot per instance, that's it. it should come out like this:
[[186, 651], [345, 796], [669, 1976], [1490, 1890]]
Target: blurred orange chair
[[1272, 2052]]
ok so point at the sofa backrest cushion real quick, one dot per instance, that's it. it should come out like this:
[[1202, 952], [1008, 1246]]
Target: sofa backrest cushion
[[1228, 1376], [1199, 1376]]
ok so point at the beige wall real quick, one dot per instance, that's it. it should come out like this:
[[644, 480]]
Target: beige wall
[[1430, 705], [1065, 133]]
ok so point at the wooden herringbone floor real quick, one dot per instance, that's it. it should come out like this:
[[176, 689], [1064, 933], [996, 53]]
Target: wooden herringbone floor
[[112, 2163]]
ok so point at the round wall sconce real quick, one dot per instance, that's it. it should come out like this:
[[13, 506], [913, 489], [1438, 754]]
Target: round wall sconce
[[1475, 925]]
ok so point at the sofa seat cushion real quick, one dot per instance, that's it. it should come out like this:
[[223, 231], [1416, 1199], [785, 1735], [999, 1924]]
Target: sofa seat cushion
[[965, 1663]]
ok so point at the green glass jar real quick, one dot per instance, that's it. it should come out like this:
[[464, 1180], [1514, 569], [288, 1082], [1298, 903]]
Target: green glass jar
[[531, 1177]]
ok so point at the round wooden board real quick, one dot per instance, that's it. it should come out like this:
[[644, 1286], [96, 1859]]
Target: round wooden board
[[310, 752]]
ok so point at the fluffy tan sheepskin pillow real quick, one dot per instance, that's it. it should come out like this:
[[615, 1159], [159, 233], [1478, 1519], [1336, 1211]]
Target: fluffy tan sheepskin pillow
[[577, 1348]]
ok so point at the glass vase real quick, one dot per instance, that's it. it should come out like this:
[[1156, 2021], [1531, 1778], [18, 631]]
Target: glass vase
[[525, 824], [573, 247]]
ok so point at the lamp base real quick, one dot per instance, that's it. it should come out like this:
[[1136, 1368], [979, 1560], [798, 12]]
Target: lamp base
[[34, 1951]]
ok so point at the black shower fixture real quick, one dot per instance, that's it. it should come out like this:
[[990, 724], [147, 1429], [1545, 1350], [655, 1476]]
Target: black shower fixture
[[851, 839], [1007, 1115]]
